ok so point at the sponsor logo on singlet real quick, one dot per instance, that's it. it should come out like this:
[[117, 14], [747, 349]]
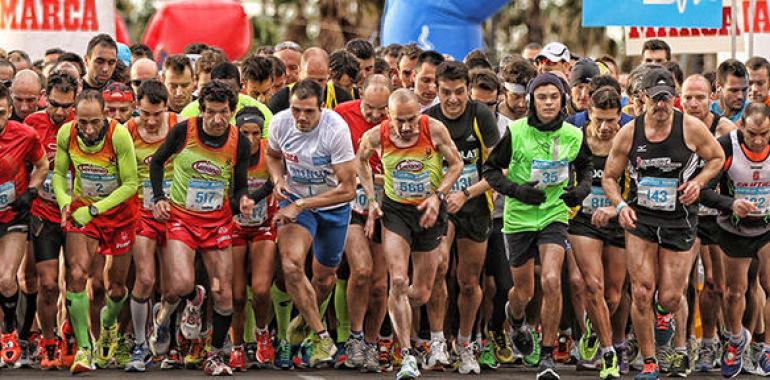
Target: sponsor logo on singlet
[[92, 169], [207, 168], [662, 163], [410, 166]]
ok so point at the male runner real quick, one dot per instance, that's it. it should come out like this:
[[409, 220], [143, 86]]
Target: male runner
[[473, 129], [662, 149], [45, 224], [148, 131], [759, 80], [732, 87], [209, 184], [310, 159], [425, 78], [179, 78], [412, 148], [100, 60], [98, 218], [656, 51], [538, 151], [367, 285]]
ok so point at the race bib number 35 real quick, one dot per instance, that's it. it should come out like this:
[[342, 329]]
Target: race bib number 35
[[759, 196], [205, 195], [657, 193], [549, 173]]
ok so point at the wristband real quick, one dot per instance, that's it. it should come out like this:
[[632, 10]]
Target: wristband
[[620, 206]]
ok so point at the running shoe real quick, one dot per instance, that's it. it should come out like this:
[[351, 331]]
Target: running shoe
[[732, 356], [533, 359], [468, 363], [237, 359], [123, 351], [650, 371], [190, 323], [547, 369], [341, 356], [11, 351], [196, 354], [438, 358], [563, 349], [588, 345], [488, 359], [83, 361], [160, 339], [215, 365], [265, 353], [172, 361], [708, 357], [140, 356], [28, 354], [664, 354], [68, 346], [664, 327], [355, 350], [106, 344], [384, 347], [610, 368], [521, 337], [323, 352], [48, 359], [503, 351], [283, 356], [297, 331], [623, 361], [371, 358], [408, 369], [250, 350], [680, 365], [763, 362]]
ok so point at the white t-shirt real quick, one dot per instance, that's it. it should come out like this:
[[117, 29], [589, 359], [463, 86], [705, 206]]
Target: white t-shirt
[[309, 156]]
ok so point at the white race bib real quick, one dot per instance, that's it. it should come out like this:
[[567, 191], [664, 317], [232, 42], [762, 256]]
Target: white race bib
[[361, 203], [203, 195], [707, 211], [596, 200], [657, 193], [549, 173], [7, 194], [257, 217], [148, 194], [411, 185], [468, 178], [98, 185], [48, 193], [760, 196]]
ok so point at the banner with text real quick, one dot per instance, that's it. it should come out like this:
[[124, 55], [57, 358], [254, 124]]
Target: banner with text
[[37, 25], [661, 13]]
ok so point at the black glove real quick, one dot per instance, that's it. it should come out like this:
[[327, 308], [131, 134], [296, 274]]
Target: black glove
[[529, 194], [574, 196], [24, 202]]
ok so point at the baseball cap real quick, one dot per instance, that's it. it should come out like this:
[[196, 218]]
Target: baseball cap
[[249, 115], [658, 81], [555, 52], [118, 92], [583, 71]]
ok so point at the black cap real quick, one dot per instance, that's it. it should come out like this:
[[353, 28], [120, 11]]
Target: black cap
[[249, 115], [583, 71], [658, 81]]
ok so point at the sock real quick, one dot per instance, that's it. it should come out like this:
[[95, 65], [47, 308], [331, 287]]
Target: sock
[[546, 351], [463, 340], [9, 311], [357, 335], [341, 310], [27, 316], [139, 311], [165, 312], [707, 341], [78, 312], [323, 334], [249, 321], [110, 316], [605, 350], [736, 339], [220, 325], [282, 305], [681, 350], [436, 335]]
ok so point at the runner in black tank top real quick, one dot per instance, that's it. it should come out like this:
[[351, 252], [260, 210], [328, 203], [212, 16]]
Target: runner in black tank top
[[662, 148]]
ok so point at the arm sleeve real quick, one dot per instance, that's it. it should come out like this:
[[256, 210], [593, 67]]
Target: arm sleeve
[[61, 166], [584, 168], [173, 143], [498, 160], [279, 101], [129, 181], [709, 197], [240, 174], [263, 192], [487, 126]]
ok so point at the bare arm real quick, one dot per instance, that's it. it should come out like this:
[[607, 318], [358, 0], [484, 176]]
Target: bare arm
[[616, 163], [725, 126], [370, 144], [277, 172], [699, 139]]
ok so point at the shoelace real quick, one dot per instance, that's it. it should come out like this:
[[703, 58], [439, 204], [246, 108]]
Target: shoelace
[[663, 321], [732, 354]]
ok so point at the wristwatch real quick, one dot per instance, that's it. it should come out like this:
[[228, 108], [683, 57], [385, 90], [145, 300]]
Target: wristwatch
[[300, 203], [93, 211]]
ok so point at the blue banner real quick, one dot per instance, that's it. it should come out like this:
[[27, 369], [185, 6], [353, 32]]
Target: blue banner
[[657, 13]]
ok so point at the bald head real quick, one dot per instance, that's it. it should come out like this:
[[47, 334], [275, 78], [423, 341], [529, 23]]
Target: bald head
[[402, 96], [25, 92], [374, 98], [315, 66], [696, 96], [697, 79], [141, 70]]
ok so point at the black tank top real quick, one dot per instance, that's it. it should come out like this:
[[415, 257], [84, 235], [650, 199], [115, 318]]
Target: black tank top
[[703, 211], [658, 169]]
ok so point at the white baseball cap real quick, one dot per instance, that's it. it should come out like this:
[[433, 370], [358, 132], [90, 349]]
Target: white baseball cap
[[555, 52]]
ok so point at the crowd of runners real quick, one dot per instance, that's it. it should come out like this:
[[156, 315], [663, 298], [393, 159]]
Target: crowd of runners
[[383, 209]]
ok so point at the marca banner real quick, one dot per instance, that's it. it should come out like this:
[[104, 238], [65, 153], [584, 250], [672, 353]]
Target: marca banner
[[704, 41], [37, 25], [660, 13]]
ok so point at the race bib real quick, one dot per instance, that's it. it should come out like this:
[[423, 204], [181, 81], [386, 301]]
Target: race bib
[[411, 185], [707, 211], [468, 178], [48, 194], [257, 217], [203, 195], [760, 196], [148, 194], [361, 203], [657, 193], [595, 200], [7, 194], [549, 173], [98, 185]]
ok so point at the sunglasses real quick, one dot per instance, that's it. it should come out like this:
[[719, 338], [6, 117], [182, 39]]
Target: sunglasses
[[663, 96], [288, 45], [7, 83], [136, 82]]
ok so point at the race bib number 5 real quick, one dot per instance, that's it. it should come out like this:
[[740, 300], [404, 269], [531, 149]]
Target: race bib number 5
[[657, 193], [205, 195], [549, 173], [595, 200]]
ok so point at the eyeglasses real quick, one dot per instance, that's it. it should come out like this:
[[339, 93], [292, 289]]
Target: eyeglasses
[[663, 96], [7, 83], [136, 82], [290, 45]]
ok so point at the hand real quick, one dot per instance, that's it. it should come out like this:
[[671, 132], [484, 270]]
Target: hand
[[573, 196], [603, 215], [529, 194], [430, 208], [281, 190], [742, 207], [690, 192], [65, 213], [455, 202], [374, 213], [287, 215], [247, 205], [161, 210], [24, 202], [627, 217], [81, 217]]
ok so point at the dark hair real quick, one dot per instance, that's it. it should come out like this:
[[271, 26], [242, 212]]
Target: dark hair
[[153, 90], [342, 62], [258, 120], [452, 70], [361, 49], [208, 59], [657, 44], [23, 55], [217, 91], [226, 70], [101, 39], [6, 63], [257, 68], [519, 71], [411, 51], [381, 66], [732, 67], [196, 48], [711, 76], [265, 50], [5, 93], [122, 73], [90, 95], [605, 80], [393, 50], [753, 110], [141, 50], [54, 51], [605, 59], [476, 63], [306, 89], [279, 68], [178, 63], [485, 79], [675, 70], [758, 63], [72, 58], [61, 81], [605, 98], [475, 53], [430, 56]]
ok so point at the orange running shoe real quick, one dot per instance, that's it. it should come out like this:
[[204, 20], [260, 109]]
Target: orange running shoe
[[48, 355], [11, 350], [68, 346], [563, 349], [237, 359], [265, 350]]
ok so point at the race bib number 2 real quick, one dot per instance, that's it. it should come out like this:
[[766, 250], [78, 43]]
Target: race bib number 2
[[98, 185], [759, 196]]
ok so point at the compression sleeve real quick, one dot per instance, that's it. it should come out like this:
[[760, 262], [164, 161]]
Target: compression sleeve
[[173, 143], [240, 174], [129, 180], [61, 166]]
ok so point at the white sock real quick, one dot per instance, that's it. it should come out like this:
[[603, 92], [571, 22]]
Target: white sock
[[605, 350], [463, 340], [436, 335], [139, 311]]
